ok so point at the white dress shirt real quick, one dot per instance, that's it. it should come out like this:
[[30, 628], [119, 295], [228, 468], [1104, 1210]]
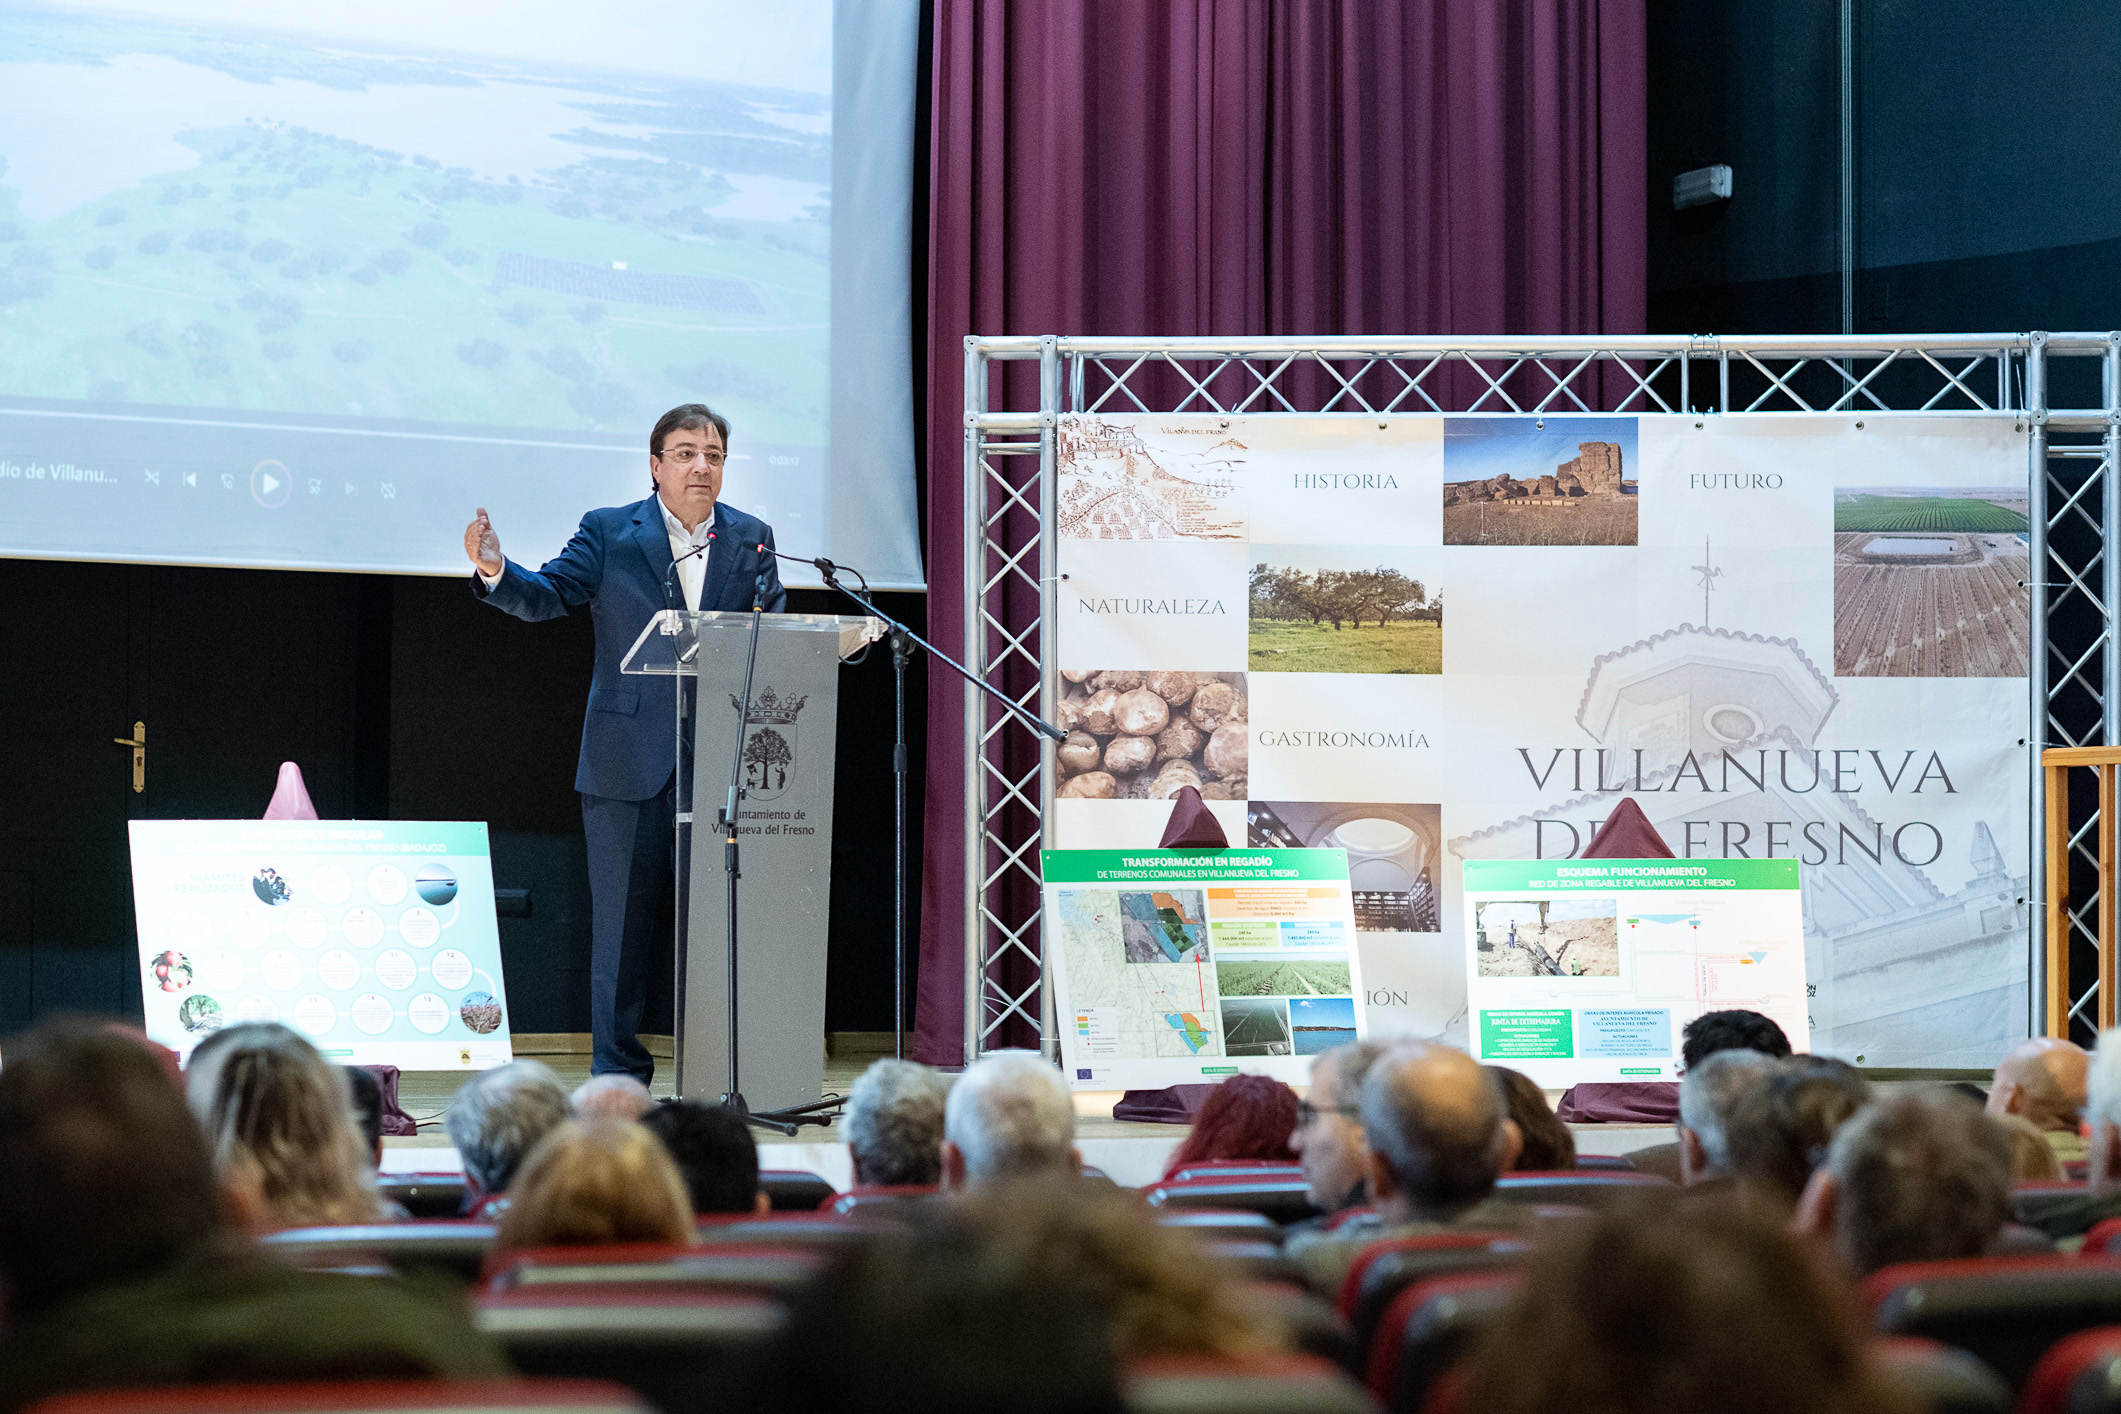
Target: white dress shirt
[[691, 574]]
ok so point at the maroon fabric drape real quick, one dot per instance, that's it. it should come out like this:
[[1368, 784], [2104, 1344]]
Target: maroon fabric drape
[[1260, 167]]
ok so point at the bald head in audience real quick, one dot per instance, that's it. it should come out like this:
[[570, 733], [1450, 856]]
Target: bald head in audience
[[1439, 1132], [610, 1096], [1009, 1116], [2043, 1080]]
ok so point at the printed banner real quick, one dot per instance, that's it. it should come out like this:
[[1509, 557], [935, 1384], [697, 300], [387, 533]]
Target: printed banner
[[1788, 637], [377, 940], [1588, 970], [1176, 966]]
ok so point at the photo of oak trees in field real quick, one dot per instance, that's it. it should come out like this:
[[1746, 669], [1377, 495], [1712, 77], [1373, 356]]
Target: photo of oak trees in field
[[1324, 619]]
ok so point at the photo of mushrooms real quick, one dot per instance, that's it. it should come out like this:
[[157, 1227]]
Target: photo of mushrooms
[[1144, 735]]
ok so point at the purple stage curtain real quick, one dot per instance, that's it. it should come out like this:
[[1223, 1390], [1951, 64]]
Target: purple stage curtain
[[1251, 167]]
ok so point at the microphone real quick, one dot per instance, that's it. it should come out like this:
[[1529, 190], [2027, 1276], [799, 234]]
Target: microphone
[[699, 549], [758, 583]]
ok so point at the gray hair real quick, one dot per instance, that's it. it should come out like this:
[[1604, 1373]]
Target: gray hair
[[2103, 1083], [1707, 1092], [1009, 1115], [1923, 1176], [611, 1096], [498, 1118], [1351, 1066], [893, 1123], [1435, 1116]]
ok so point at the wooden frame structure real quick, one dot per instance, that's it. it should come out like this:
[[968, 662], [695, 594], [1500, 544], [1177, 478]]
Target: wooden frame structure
[[2056, 763]]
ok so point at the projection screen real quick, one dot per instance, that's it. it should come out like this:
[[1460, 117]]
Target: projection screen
[[298, 287]]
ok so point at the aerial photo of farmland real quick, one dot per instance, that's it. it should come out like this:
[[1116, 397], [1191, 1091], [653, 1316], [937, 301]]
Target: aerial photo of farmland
[[1929, 583]]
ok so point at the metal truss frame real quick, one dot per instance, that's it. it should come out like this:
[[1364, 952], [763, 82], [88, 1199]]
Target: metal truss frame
[[2067, 387]]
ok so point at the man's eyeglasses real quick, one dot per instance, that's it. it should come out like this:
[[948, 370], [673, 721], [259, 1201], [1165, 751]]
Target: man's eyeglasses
[[1307, 1112], [686, 456]]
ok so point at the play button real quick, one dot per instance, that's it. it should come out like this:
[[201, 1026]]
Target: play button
[[270, 484]]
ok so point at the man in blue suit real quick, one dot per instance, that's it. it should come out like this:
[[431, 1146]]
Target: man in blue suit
[[679, 548]]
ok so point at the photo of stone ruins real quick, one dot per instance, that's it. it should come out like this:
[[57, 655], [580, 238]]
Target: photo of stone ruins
[[1586, 500]]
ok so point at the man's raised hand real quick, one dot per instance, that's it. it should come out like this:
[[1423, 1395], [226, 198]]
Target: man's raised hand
[[482, 547]]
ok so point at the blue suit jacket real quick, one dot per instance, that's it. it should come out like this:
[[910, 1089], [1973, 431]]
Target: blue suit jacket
[[616, 564]]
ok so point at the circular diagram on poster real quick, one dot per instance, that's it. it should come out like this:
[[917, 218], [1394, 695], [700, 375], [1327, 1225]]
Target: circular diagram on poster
[[419, 927], [338, 970], [452, 969], [480, 1012], [248, 928], [363, 927], [436, 884], [428, 1013], [257, 1007], [386, 883], [372, 1013], [270, 887], [395, 969], [305, 927], [189, 929], [222, 971], [330, 884], [172, 970], [200, 1013], [280, 970], [315, 1014]]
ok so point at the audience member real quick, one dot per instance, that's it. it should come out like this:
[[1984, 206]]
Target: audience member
[[1705, 1036], [1778, 1129], [1707, 1092], [893, 1125], [594, 1183], [716, 1156], [2032, 1157], [367, 1094], [1733, 1030], [498, 1118], [1548, 1145], [1009, 1116], [1328, 1138], [1914, 1177], [1440, 1134], [1244, 1117], [610, 1096], [2102, 1115], [1678, 1312], [122, 1268], [280, 1121], [960, 1315], [2043, 1080]]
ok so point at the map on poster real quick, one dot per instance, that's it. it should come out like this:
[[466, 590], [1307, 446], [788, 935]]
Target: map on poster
[[375, 939], [1177, 966], [1589, 969]]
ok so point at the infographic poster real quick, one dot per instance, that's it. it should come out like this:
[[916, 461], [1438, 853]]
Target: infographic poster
[[1589, 969], [1178, 966], [377, 940]]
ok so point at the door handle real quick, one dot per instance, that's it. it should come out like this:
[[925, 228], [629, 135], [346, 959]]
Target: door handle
[[138, 742]]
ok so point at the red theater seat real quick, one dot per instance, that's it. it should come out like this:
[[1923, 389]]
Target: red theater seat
[[1579, 1188], [1282, 1384], [785, 1229], [424, 1195], [795, 1190], [457, 1248], [1285, 1200], [1384, 1269], [360, 1397], [1223, 1224], [1428, 1328], [1604, 1163], [883, 1201], [677, 1348], [2032, 1201], [741, 1266], [1941, 1380], [1234, 1168], [2006, 1310], [2079, 1375]]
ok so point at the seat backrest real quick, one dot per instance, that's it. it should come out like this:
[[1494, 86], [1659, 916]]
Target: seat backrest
[[1384, 1269], [1605, 1163], [2007, 1310], [679, 1349], [2030, 1202], [1579, 1188], [424, 1195], [1223, 1224], [556, 1396], [2100, 1241], [2082, 1372], [738, 1266], [831, 1230], [795, 1190], [1940, 1380], [1428, 1329], [1281, 1384], [456, 1248], [1285, 1200], [1234, 1168], [883, 1202]]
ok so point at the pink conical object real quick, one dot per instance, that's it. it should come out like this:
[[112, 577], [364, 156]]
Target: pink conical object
[[290, 798]]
